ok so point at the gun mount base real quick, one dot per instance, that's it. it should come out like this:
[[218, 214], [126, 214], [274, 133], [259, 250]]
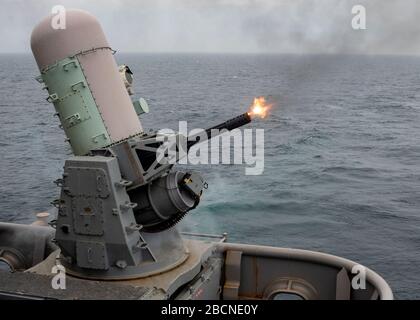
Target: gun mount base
[[169, 252]]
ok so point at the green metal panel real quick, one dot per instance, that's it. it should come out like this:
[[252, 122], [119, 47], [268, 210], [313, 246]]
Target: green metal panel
[[141, 106], [79, 115]]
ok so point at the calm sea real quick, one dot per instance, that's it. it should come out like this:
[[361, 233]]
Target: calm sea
[[342, 150]]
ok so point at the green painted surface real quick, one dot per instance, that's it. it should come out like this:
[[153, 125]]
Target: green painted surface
[[79, 115], [141, 106]]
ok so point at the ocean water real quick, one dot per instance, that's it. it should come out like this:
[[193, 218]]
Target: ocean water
[[342, 151]]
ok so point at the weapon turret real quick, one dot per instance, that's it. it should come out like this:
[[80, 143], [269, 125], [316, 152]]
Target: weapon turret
[[118, 202]]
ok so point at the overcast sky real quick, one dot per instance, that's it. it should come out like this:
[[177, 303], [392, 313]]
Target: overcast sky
[[247, 26]]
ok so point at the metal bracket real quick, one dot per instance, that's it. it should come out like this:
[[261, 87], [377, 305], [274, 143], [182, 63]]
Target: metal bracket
[[123, 183], [73, 86], [39, 79], [140, 246], [65, 66], [128, 205], [59, 182], [73, 119], [52, 97], [133, 228], [232, 275], [95, 138]]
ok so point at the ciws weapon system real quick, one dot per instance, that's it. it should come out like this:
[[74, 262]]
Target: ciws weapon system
[[115, 233]]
